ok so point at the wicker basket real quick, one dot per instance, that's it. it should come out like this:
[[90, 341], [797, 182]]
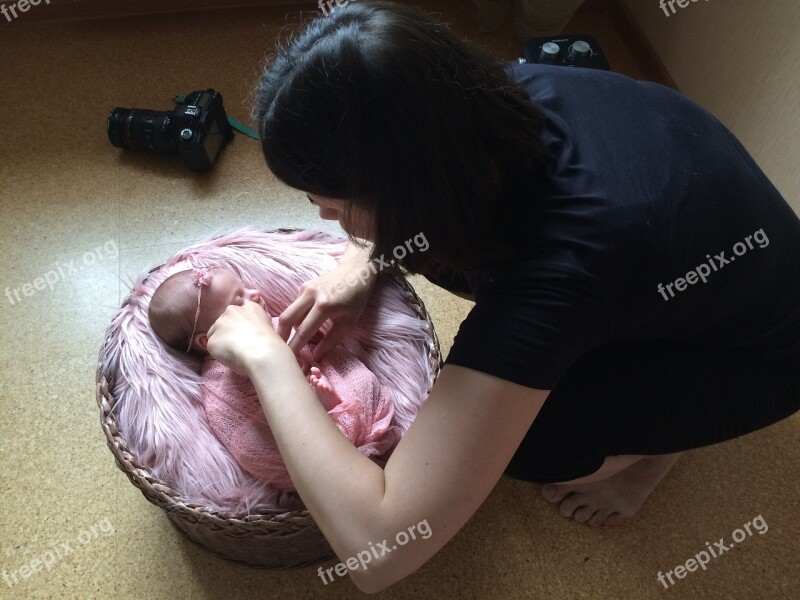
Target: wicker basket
[[275, 539]]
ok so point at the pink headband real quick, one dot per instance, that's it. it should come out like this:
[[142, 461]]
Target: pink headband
[[201, 277]]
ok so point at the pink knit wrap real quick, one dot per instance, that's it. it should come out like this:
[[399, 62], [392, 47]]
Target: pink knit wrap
[[364, 416]]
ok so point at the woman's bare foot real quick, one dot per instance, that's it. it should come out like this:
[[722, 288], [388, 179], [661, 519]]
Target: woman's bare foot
[[324, 389], [612, 500]]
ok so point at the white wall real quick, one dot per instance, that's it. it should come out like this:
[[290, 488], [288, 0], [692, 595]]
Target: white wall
[[740, 59]]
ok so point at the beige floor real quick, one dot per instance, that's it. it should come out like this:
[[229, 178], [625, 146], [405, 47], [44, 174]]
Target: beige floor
[[69, 198]]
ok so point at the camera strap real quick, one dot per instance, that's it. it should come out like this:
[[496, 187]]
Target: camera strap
[[235, 123], [239, 126]]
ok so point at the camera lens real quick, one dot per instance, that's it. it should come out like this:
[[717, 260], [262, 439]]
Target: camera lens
[[136, 129]]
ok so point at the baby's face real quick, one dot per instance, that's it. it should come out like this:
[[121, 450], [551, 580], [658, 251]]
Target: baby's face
[[225, 289]]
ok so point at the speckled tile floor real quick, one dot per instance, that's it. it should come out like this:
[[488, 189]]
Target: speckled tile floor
[[78, 211]]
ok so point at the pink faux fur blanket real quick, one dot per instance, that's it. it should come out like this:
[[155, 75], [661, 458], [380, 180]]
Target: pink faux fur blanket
[[364, 414], [157, 391]]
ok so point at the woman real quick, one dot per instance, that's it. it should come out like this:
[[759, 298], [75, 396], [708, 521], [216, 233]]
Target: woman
[[563, 201]]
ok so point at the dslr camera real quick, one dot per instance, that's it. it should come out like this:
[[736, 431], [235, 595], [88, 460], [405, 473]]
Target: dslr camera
[[197, 129]]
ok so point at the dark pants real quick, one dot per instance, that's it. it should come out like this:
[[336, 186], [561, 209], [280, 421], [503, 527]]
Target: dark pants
[[651, 398]]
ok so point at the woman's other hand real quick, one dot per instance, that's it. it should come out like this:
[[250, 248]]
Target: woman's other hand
[[339, 295]]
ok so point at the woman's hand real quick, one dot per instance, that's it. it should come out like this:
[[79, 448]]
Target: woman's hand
[[339, 295], [242, 336]]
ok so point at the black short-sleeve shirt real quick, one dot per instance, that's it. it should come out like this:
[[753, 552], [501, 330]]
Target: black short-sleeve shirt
[[651, 222]]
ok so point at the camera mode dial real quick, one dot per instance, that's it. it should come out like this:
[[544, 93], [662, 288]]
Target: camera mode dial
[[550, 51], [580, 49]]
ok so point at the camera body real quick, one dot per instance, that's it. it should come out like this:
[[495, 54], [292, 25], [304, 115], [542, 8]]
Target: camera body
[[197, 129]]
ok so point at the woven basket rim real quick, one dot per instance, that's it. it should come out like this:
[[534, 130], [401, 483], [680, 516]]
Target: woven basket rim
[[159, 493]]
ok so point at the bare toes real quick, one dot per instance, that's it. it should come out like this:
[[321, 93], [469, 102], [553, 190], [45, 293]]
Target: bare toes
[[599, 518], [570, 504], [615, 519], [554, 493], [584, 513]]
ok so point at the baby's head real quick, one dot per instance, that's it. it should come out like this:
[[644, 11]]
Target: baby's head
[[186, 304]]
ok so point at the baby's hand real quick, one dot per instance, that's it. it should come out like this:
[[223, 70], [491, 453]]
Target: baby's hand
[[324, 389]]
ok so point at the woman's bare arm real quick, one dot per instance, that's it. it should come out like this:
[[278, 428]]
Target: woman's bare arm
[[441, 471]]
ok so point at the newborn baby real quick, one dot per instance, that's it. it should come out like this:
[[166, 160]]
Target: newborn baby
[[183, 309]]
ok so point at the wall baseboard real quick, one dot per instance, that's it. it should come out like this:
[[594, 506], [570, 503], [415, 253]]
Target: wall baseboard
[[69, 10], [630, 29], [63, 10]]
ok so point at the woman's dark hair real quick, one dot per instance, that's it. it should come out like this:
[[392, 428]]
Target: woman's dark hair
[[379, 105]]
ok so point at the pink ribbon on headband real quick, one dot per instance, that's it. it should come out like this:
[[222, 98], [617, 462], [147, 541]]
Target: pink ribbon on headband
[[201, 277]]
